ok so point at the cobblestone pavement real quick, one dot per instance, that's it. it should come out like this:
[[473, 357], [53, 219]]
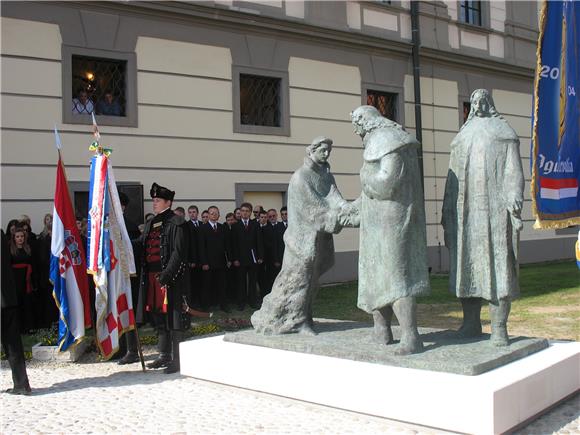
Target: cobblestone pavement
[[103, 397]]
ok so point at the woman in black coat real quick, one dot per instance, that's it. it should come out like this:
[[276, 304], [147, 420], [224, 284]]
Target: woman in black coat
[[10, 330], [25, 277]]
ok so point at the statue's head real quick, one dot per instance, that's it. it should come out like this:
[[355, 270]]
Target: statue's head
[[319, 150], [482, 104], [366, 119]]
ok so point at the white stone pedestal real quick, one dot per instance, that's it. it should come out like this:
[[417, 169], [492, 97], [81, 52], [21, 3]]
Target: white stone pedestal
[[490, 403], [51, 353]]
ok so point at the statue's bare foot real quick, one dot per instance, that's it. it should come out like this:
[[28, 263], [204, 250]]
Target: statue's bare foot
[[499, 336], [306, 329], [469, 330], [383, 334], [410, 343]]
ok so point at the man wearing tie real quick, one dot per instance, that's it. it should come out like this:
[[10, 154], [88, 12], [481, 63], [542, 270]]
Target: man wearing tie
[[193, 225], [214, 254], [247, 255], [231, 274], [268, 239], [281, 227], [274, 253]]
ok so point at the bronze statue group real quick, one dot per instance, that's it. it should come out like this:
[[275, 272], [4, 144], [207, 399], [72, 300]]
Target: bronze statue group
[[481, 221]]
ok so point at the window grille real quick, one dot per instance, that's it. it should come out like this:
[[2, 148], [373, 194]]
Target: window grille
[[385, 102], [99, 85], [471, 12], [260, 102], [466, 110]]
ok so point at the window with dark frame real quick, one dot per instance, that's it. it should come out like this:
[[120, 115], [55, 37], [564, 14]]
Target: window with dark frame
[[99, 85], [385, 103], [470, 12], [260, 100], [466, 110]]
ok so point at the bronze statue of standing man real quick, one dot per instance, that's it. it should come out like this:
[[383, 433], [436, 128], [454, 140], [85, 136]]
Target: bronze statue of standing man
[[393, 243], [482, 217]]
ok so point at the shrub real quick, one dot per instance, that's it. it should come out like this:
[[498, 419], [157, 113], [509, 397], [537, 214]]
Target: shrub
[[47, 337]]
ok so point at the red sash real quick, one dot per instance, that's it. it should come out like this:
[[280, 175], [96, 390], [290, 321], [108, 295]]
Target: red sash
[[156, 295]]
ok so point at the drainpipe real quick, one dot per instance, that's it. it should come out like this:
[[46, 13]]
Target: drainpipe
[[416, 82]]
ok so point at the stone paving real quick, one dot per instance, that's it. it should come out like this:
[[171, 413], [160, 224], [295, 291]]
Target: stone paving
[[103, 397]]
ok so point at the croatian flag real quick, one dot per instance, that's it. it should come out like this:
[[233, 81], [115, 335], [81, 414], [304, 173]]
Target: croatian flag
[[558, 188], [67, 267], [110, 258]]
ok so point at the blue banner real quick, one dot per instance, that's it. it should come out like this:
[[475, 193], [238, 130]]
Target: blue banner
[[555, 162]]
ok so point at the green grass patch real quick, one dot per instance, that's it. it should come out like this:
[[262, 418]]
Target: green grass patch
[[550, 284]]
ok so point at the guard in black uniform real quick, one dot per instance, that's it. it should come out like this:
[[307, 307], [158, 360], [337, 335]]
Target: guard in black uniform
[[165, 277]]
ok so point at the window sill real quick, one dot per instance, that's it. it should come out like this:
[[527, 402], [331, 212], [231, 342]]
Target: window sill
[[484, 30], [113, 121], [384, 7], [261, 129]]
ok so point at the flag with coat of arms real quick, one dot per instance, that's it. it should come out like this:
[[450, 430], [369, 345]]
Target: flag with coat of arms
[[110, 255], [67, 265]]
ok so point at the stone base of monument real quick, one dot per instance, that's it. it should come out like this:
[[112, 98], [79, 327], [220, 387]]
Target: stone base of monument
[[466, 386]]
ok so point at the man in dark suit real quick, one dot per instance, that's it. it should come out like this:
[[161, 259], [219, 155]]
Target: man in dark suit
[[231, 273], [282, 226], [269, 242], [214, 253], [247, 255], [277, 253], [195, 274]]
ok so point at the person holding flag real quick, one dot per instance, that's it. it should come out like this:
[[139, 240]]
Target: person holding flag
[[67, 265], [164, 277], [110, 257]]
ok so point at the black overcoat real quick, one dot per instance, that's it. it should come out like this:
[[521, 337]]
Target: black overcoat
[[174, 252]]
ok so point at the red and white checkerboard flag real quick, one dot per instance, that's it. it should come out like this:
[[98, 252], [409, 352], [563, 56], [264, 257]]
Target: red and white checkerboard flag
[[110, 258]]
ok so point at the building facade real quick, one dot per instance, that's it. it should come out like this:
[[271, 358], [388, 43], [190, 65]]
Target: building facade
[[218, 100]]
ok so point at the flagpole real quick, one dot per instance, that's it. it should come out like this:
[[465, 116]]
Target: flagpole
[[139, 349]]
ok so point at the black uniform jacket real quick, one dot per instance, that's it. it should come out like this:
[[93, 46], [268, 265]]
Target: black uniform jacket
[[174, 251]]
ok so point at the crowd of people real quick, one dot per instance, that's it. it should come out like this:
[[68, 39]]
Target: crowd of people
[[232, 263], [29, 259], [249, 250]]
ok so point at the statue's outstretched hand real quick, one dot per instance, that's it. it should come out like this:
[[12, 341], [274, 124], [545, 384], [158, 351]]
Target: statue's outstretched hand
[[349, 215]]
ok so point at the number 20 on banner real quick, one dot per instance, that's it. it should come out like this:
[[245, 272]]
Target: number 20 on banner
[[553, 73]]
